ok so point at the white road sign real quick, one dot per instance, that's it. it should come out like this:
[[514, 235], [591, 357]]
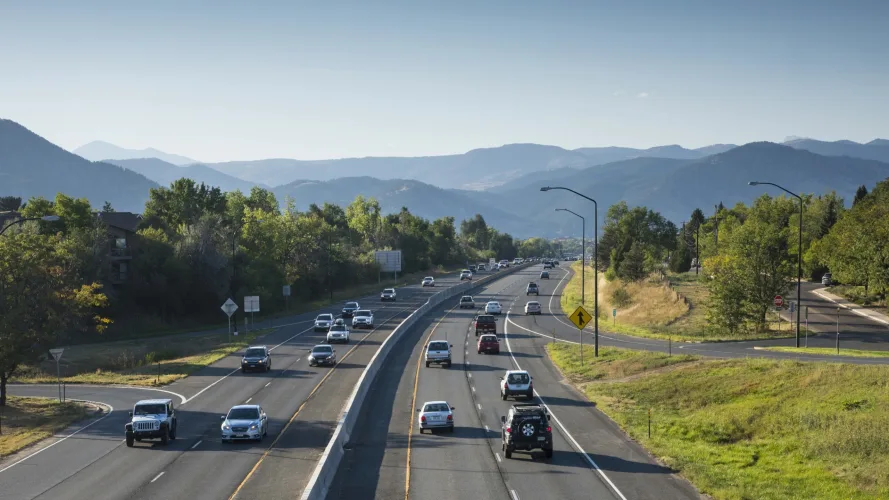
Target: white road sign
[[389, 261], [286, 290], [229, 307], [251, 303], [56, 354]]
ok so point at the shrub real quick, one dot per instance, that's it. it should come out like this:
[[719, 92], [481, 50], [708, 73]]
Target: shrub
[[620, 297]]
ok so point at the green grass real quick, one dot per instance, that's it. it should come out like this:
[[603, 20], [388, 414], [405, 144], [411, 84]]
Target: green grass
[[28, 420], [148, 362], [856, 294], [658, 311], [749, 429], [829, 351]]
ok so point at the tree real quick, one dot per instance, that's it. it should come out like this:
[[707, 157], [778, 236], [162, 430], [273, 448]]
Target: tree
[[10, 203], [724, 311], [625, 226], [860, 194], [42, 301], [475, 232], [363, 217], [107, 208], [680, 259], [633, 268], [184, 203]]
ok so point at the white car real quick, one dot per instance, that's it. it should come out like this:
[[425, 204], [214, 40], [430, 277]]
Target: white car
[[338, 333], [532, 307], [244, 422], [323, 322], [387, 294], [516, 383], [428, 281], [465, 274], [436, 415], [363, 318], [493, 307]]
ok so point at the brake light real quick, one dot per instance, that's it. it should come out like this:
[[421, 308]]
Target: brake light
[[422, 418], [508, 430], [450, 417], [549, 429]]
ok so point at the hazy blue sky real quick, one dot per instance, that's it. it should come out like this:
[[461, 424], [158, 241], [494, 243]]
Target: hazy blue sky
[[239, 80]]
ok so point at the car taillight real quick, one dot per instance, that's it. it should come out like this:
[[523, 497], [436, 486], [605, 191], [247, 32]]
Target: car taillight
[[549, 429], [508, 430], [422, 418], [450, 417]]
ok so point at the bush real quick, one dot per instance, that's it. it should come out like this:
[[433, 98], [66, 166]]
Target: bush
[[620, 297], [610, 274]]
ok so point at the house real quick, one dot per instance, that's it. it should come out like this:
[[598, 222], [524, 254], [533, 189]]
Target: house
[[8, 217], [122, 232]]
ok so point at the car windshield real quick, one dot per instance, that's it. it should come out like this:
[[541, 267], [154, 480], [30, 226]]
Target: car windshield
[[243, 414], [466, 299], [486, 319], [495, 304], [323, 349], [518, 378], [351, 305], [438, 346], [362, 313], [436, 407], [428, 278], [325, 317], [389, 290], [338, 328], [151, 409], [488, 338], [255, 353], [534, 304]]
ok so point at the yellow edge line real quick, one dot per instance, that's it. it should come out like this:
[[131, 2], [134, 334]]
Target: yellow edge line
[[298, 410], [407, 476]]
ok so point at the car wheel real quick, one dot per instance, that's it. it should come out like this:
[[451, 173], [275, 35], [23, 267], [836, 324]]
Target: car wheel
[[165, 437], [173, 433], [243, 370], [507, 452], [530, 395], [503, 396], [421, 430], [427, 364], [130, 441], [451, 429], [548, 452]]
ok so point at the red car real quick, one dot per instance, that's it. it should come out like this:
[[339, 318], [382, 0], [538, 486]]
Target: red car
[[488, 344]]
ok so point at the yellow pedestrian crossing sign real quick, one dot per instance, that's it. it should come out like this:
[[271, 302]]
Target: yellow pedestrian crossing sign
[[580, 317]]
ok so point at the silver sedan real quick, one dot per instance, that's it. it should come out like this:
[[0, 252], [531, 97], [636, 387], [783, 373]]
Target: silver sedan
[[244, 422], [436, 415]]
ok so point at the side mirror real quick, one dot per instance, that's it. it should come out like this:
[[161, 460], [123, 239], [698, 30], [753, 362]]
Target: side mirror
[[453, 408], [503, 419], [131, 413], [452, 345], [222, 417]]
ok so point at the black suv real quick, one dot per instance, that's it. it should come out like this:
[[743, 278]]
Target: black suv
[[532, 288], [526, 427]]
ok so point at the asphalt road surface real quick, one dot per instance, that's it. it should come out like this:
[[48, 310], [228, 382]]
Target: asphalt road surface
[[302, 403]]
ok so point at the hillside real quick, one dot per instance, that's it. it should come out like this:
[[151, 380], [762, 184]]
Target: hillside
[[877, 149], [601, 156], [421, 199], [165, 173], [100, 150], [32, 166]]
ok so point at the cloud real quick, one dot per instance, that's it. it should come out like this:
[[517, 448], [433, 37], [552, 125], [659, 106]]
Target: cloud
[[642, 95], [618, 93]]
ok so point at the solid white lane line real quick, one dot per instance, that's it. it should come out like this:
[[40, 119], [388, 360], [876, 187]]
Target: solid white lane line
[[567, 434], [248, 400], [269, 383], [157, 477], [196, 445], [479, 406], [498, 457], [515, 496]]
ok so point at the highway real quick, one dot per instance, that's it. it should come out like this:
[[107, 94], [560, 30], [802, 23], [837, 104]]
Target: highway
[[302, 403]]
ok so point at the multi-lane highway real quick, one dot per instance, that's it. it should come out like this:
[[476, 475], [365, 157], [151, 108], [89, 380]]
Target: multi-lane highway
[[302, 402]]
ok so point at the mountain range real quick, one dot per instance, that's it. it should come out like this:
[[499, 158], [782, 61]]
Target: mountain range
[[503, 184], [101, 150]]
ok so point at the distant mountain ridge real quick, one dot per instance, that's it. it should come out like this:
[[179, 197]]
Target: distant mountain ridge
[[877, 149], [165, 173], [101, 150]]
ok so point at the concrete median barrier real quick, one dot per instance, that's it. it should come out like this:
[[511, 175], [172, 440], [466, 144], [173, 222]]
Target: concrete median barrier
[[325, 471]]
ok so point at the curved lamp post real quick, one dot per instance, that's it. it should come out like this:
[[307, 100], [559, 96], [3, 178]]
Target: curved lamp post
[[595, 258], [582, 254], [799, 252], [45, 218]]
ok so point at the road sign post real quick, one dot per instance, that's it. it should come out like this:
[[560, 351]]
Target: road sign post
[[229, 308], [251, 305], [580, 317], [807, 326], [57, 355], [838, 331], [286, 292], [614, 317]]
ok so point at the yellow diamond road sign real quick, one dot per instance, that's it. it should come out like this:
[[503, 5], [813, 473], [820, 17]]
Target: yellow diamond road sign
[[580, 317]]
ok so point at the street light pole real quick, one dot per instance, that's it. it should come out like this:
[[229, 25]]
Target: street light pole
[[799, 253], [595, 258], [582, 254], [45, 218]]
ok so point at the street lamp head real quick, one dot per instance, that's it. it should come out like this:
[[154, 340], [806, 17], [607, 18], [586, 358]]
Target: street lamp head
[[547, 188], [753, 183], [560, 210], [50, 218]]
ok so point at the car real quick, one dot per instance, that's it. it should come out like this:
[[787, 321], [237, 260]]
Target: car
[[256, 357], [438, 352], [428, 281], [526, 427], [322, 354], [532, 307], [338, 333], [436, 415], [547, 265], [471, 267], [151, 419], [555, 263], [516, 383], [481, 267], [349, 309], [339, 322], [484, 323], [544, 275], [466, 302], [323, 322], [363, 318], [465, 274], [387, 294], [504, 263], [244, 422], [827, 279], [532, 288], [493, 307], [488, 344], [495, 267]]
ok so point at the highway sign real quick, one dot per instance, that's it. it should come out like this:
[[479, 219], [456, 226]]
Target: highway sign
[[614, 312], [389, 261], [779, 301], [580, 317], [793, 307], [56, 354], [229, 307], [286, 290], [251, 303]]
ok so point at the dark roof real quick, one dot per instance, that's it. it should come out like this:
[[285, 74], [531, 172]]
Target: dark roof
[[8, 217], [128, 221]]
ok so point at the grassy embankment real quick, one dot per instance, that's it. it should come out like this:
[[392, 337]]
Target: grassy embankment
[[655, 310], [829, 351], [856, 294], [28, 420], [748, 429], [148, 361]]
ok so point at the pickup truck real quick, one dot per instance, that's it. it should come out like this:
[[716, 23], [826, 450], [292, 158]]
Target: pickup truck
[[485, 323]]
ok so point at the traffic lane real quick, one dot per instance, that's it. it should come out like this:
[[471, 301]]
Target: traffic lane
[[293, 457], [374, 464], [214, 469], [530, 475]]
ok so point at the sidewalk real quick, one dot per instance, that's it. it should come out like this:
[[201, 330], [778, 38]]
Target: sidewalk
[[855, 308]]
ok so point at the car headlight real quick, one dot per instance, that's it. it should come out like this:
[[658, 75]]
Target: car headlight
[[253, 427], [226, 427], [311, 357], [261, 361]]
